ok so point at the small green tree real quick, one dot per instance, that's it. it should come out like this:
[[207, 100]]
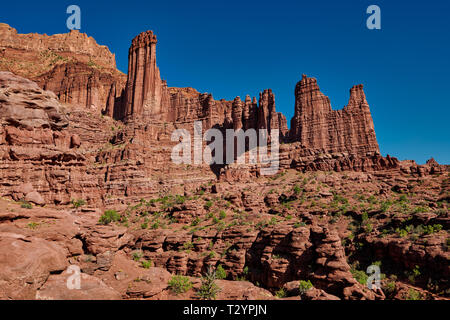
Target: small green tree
[[209, 288], [221, 273], [281, 293], [179, 284], [304, 286], [108, 217], [78, 203]]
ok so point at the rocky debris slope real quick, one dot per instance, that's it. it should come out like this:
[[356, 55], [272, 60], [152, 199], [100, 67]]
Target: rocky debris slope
[[269, 236]]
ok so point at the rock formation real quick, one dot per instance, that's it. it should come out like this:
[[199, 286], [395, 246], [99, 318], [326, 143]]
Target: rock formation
[[72, 65], [335, 206], [146, 94], [315, 125]]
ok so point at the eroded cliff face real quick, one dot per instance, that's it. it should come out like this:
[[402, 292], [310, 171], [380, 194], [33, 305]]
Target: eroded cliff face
[[72, 65]]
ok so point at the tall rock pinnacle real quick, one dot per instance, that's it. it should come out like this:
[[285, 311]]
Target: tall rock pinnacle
[[145, 90]]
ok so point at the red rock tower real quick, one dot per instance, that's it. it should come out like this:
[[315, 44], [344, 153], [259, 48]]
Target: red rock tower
[[317, 126], [145, 90]]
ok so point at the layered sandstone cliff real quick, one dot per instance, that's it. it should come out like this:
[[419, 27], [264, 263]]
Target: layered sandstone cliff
[[72, 65], [71, 45]]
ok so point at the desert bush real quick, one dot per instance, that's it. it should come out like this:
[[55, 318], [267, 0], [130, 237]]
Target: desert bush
[[179, 284], [109, 216], [78, 203], [209, 289], [221, 273], [304, 286]]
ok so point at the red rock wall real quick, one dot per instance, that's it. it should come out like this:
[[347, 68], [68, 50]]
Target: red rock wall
[[78, 84]]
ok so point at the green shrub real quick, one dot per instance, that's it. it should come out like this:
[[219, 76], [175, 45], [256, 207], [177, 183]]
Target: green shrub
[[109, 216], [221, 273], [432, 229], [78, 203], [414, 295], [195, 222], [188, 245], [32, 225], [155, 225], [180, 199], [304, 286], [222, 214], [209, 289], [281, 293], [359, 275], [208, 204], [389, 287], [413, 274], [372, 199], [297, 190], [179, 284], [420, 210], [385, 205], [364, 216], [401, 232], [136, 255], [146, 264], [299, 224], [26, 205]]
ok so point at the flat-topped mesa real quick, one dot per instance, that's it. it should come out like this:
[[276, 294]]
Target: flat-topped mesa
[[145, 91], [317, 126]]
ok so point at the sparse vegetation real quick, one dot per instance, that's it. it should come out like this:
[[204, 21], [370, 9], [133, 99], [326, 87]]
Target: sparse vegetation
[[147, 264], [78, 203], [26, 205], [281, 293], [109, 216], [209, 288], [179, 284], [413, 295], [304, 286], [221, 273]]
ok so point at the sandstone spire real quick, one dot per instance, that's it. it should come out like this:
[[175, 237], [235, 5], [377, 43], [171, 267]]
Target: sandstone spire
[[317, 126], [144, 91]]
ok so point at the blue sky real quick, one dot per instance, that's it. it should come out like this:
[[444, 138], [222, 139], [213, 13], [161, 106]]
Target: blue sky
[[232, 48]]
